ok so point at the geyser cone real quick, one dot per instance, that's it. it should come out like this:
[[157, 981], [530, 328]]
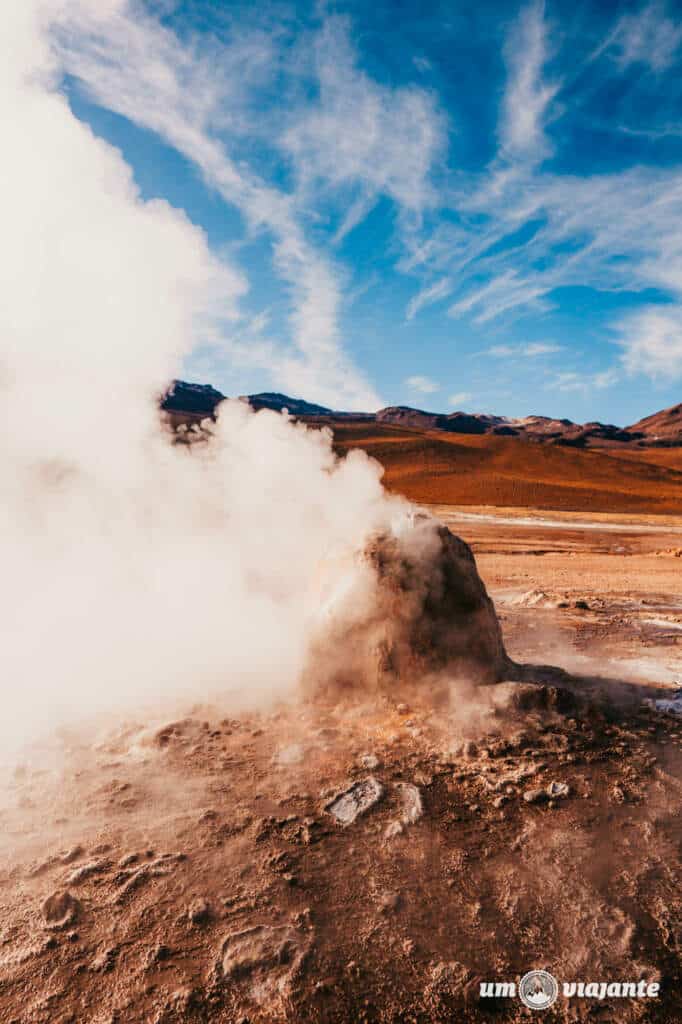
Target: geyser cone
[[425, 615]]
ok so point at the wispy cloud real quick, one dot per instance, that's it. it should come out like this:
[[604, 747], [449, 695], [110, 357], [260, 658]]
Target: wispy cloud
[[571, 380], [428, 295], [502, 293], [527, 95], [425, 385], [614, 233], [128, 62], [460, 398], [529, 351], [647, 37], [361, 135]]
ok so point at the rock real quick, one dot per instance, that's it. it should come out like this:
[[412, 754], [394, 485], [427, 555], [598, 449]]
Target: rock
[[61, 909], [199, 911], [389, 901], [356, 800], [500, 801], [556, 790], [69, 856], [93, 867], [370, 761], [105, 960], [265, 959], [159, 953], [535, 796], [532, 697], [672, 704], [535, 599], [430, 615], [412, 808]]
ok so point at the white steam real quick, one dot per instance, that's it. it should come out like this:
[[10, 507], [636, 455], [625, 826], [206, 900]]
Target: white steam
[[134, 570]]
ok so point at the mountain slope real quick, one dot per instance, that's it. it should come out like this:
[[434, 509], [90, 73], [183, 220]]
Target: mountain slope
[[664, 426], [435, 467]]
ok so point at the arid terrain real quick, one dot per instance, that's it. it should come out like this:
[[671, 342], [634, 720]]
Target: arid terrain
[[466, 469], [356, 860]]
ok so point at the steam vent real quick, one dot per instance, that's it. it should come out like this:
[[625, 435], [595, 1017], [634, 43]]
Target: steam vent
[[430, 617]]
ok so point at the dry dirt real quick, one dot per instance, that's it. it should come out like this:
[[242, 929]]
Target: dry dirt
[[433, 466], [348, 862]]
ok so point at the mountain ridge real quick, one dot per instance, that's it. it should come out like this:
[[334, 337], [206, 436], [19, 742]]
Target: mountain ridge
[[194, 402]]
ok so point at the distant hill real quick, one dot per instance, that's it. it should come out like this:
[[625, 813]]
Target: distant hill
[[530, 428], [478, 459], [195, 399], [190, 403], [441, 467], [276, 401], [663, 427]]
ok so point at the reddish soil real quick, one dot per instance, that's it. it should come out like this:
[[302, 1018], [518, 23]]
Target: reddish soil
[[431, 466]]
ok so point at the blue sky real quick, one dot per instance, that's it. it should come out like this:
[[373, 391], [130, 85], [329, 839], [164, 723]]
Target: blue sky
[[442, 205]]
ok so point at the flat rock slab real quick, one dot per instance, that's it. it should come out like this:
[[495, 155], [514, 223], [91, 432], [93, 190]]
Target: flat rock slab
[[264, 959], [356, 800]]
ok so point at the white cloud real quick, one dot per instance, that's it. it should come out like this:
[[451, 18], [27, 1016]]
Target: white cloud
[[612, 232], [571, 380], [360, 134], [128, 62], [425, 385], [539, 348], [529, 351], [527, 95], [652, 343], [500, 294], [426, 296], [647, 37], [460, 398]]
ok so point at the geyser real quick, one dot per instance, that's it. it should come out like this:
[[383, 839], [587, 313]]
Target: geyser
[[138, 572], [411, 608]]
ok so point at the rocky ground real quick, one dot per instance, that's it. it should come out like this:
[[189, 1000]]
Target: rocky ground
[[350, 861]]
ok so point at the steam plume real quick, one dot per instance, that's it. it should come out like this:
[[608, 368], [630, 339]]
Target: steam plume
[[133, 569]]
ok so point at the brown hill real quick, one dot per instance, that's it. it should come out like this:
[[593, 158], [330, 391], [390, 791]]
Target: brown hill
[[432, 466], [663, 427]]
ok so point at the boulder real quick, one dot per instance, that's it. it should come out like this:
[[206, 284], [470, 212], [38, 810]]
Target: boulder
[[411, 608]]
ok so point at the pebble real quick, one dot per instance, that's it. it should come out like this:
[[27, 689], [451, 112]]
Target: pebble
[[555, 790]]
